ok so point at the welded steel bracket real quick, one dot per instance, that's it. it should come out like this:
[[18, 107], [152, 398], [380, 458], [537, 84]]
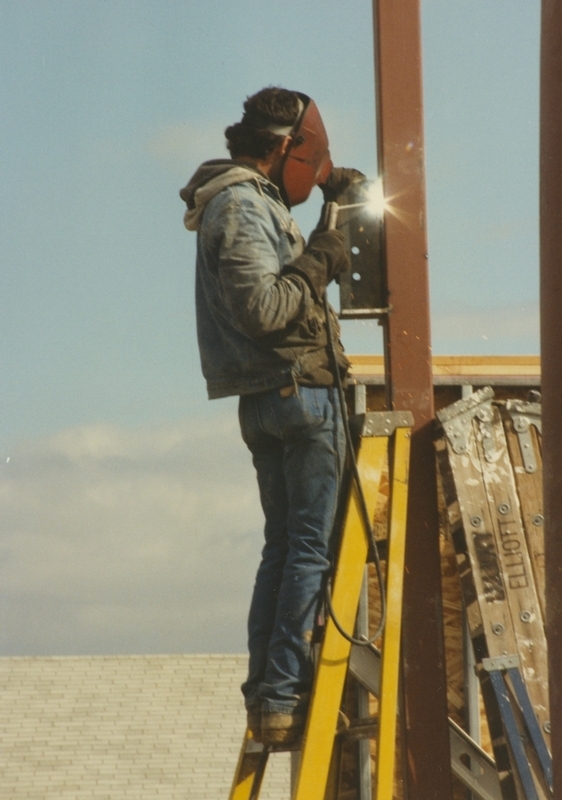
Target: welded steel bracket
[[523, 416], [363, 292]]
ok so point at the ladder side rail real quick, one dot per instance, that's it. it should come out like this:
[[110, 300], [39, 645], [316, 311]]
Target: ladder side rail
[[327, 690], [250, 770], [514, 736], [364, 747], [531, 722], [390, 666]]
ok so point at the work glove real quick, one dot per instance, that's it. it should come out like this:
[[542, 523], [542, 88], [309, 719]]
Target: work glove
[[339, 181], [324, 257]]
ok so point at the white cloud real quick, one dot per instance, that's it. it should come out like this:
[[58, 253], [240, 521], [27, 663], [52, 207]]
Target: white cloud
[[184, 145], [117, 540], [516, 324]]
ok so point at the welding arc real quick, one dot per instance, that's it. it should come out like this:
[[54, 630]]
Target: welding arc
[[373, 549], [354, 205]]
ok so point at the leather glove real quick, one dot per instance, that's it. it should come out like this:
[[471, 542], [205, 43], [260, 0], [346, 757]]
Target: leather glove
[[324, 257], [339, 181]]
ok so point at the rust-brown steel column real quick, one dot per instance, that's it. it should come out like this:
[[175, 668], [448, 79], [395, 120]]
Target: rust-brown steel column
[[410, 386], [551, 352]]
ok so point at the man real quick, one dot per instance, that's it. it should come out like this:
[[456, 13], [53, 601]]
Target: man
[[262, 335]]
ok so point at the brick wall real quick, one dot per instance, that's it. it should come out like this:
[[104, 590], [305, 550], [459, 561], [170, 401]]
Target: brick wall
[[124, 727]]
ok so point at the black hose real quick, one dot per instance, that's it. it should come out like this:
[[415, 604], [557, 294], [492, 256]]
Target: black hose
[[364, 513]]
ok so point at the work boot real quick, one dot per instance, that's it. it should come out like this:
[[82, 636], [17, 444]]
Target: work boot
[[281, 729], [253, 717]]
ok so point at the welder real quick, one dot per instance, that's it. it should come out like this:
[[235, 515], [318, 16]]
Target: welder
[[262, 335]]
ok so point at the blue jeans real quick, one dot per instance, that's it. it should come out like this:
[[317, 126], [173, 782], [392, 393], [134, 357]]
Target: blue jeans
[[298, 449]]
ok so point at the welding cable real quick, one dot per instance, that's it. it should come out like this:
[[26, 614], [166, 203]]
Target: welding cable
[[364, 513]]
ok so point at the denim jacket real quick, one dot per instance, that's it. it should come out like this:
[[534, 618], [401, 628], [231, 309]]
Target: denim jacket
[[257, 328]]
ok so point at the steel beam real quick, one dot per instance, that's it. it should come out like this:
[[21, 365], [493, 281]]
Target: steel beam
[[410, 386], [551, 352]]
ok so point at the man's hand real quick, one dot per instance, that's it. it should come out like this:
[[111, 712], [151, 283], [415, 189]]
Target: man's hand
[[325, 256], [339, 181], [328, 247]]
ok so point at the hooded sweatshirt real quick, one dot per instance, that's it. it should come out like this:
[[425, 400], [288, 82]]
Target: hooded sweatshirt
[[208, 180], [259, 327]]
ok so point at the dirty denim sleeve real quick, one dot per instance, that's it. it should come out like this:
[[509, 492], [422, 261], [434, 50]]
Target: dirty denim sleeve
[[250, 249]]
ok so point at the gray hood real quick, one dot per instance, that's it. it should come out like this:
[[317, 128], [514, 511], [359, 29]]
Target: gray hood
[[208, 180]]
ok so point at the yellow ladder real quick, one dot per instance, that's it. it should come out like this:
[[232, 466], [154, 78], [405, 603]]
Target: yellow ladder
[[384, 438]]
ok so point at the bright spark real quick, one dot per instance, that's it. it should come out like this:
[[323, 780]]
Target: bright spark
[[376, 203]]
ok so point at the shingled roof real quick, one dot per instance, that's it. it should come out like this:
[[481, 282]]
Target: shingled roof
[[125, 728]]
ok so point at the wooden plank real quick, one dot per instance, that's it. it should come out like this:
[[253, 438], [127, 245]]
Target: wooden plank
[[485, 370], [517, 571], [503, 608], [475, 362], [472, 591], [475, 517], [529, 490], [461, 366], [500, 362]]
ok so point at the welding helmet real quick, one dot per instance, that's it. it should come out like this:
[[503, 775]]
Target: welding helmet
[[307, 162]]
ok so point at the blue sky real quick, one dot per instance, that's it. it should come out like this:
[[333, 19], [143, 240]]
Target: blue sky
[[107, 108]]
